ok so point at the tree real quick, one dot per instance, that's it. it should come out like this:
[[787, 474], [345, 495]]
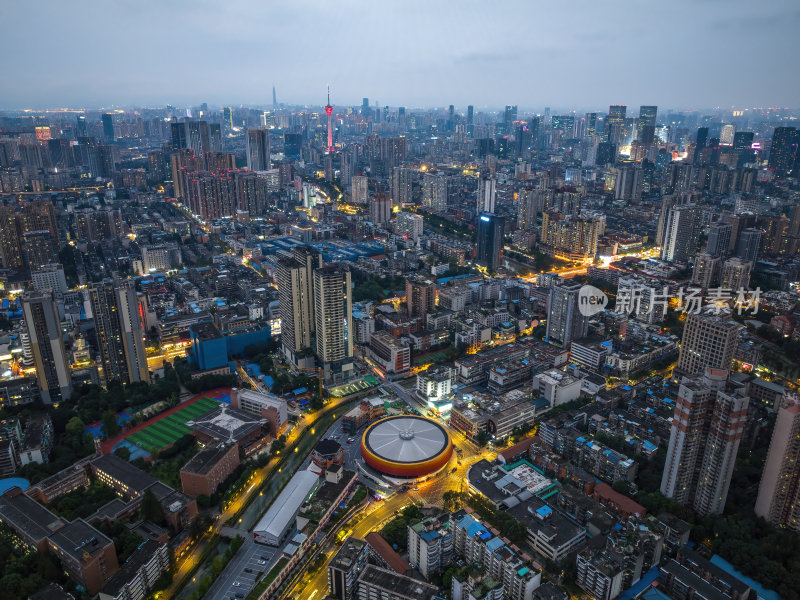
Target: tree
[[110, 426], [123, 453], [151, 508], [482, 438], [75, 427]]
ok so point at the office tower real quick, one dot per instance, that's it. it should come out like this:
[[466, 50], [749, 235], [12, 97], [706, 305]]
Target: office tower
[[199, 136], [735, 274], [491, 229], [380, 208], [784, 154], [329, 112], [629, 184], [700, 143], [470, 119], [615, 123], [227, 117], [402, 186], [564, 123], [565, 322], [420, 296], [709, 340], [591, 124], [333, 314], [258, 153], [43, 326], [646, 128], [523, 141], [726, 135], [434, 191], [274, 98], [707, 427], [719, 238], [778, 499], [509, 116], [749, 243], [706, 270], [10, 239], [743, 144], [80, 126], [487, 192], [409, 225], [108, 126], [118, 327], [681, 232], [359, 185]]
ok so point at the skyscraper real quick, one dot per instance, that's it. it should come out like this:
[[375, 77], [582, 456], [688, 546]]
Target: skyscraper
[[706, 270], [726, 135], [108, 126], [681, 232], [615, 122], [80, 126], [491, 229], [119, 331], [719, 238], [487, 191], [359, 189], [47, 344], [646, 128], [296, 305], [707, 427], [227, 117], [735, 274], [380, 208], [434, 191], [779, 491], [709, 340], [199, 136], [329, 112], [748, 246], [402, 186], [784, 154], [700, 143], [565, 322], [258, 152], [333, 314], [10, 239], [420, 295], [470, 119], [629, 184], [743, 144], [274, 98]]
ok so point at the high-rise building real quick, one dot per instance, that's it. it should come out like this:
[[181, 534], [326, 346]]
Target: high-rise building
[[50, 277], [709, 340], [10, 239], [726, 135], [344, 568], [565, 322], [434, 191], [629, 184], [420, 296], [108, 126], [470, 119], [119, 331], [748, 246], [409, 225], [743, 144], [700, 143], [227, 117], [80, 126], [487, 192], [779, 491], [47, 343], [681, 232], [719, 238], [359, 185], [735, 274], [199, 136], [296, 306], [333, 314], [491, 229], [380, 208], [570, 237], [402, 186], [706, 270], [646, 127], [707, 427], [258, 153], [784, 153], [615, 123]]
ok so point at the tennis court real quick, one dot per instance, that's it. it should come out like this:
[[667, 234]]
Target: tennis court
[[169, 429]]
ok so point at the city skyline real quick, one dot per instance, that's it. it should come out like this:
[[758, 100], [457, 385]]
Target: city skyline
[[431, 60]]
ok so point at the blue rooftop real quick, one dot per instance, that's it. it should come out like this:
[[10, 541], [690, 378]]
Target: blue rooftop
[[762, 592], [543, 511]]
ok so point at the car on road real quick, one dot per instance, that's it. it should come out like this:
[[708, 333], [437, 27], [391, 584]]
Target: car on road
[[263, 557], [248, 570], [262, 562], [237, 584]]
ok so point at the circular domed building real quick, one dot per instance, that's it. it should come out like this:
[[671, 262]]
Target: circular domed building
[[406, 446]]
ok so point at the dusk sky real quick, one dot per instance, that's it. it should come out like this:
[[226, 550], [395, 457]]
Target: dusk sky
[[583, 54]]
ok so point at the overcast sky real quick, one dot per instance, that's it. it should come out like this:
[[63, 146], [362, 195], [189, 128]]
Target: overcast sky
[[583, 54]]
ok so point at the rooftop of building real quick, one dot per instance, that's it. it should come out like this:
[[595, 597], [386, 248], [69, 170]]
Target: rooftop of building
[[226, 424], [207, 459], [381, 547], [52, 591], [124, 472], [80, 540], [128, 570], [28, 516], [400, 585], [327, 447], [206, 331], [348, 554]]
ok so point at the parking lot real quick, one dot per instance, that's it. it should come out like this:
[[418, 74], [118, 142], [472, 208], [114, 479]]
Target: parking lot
[[244, 571]]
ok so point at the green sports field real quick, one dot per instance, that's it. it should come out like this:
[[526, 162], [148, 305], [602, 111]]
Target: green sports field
[[166, 431]]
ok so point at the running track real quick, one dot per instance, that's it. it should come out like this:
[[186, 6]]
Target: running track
[[108, 445]]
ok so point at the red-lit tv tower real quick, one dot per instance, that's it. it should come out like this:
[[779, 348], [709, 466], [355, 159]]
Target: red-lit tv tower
[[329, 112]]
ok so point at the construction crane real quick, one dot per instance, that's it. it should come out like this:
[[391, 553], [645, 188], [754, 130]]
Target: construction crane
[[316, 369]]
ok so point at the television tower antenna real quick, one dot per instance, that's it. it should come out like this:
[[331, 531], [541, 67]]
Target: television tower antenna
[[329, 112]]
